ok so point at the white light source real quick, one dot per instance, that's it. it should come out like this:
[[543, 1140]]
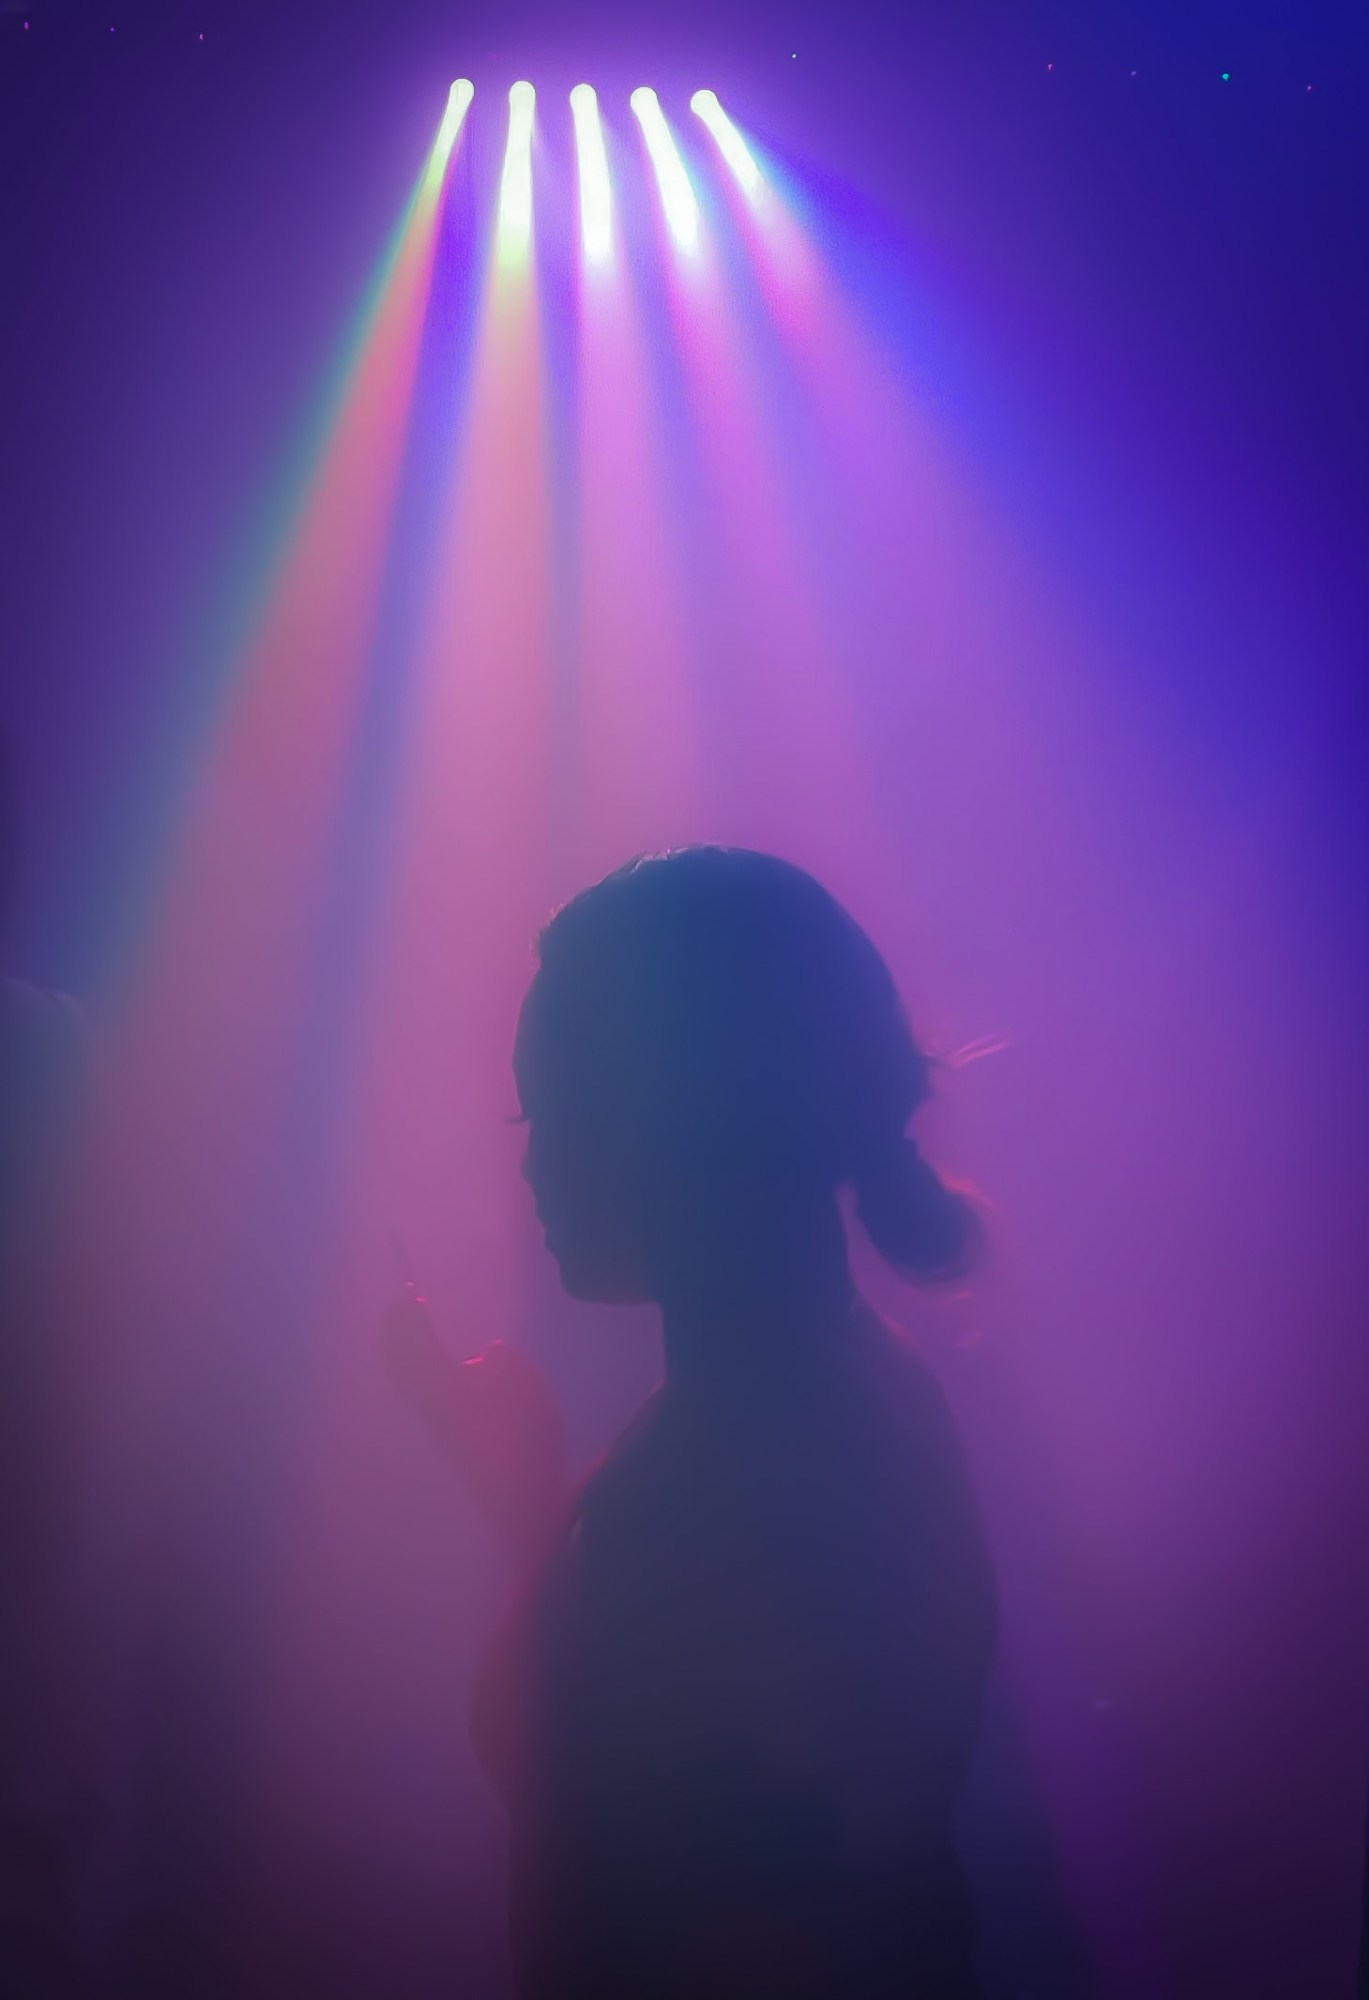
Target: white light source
[[515, 195], [677, 196], [458, 104], [704, 104], [596, 235]]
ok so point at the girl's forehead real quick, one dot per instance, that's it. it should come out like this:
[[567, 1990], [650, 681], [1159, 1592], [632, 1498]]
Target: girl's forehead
[[535, 1064], [526, 1039]]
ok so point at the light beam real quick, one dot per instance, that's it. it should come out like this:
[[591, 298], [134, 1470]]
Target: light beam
[[677, 196], [458, 104], [515, 194], [704, 104], [596, 235]]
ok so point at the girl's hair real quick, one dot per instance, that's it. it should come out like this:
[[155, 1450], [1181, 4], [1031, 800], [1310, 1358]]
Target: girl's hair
[[724, 1010]]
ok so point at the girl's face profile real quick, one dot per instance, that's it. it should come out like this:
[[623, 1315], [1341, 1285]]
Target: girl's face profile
[[588, 1198]]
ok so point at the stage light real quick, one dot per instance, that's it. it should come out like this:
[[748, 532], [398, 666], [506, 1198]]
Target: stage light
[[704, 104], [677, 196], [458, 104], [595, 229], [515, 195]]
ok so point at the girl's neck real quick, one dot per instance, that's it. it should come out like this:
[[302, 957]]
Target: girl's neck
[[756, 1292]]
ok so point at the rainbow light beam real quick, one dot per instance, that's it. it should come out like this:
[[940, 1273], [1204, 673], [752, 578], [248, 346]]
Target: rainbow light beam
[[677, 196], [596, 235], [515, 194], [704, 104]]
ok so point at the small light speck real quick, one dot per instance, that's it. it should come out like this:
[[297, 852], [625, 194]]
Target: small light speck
[[1226, 76]]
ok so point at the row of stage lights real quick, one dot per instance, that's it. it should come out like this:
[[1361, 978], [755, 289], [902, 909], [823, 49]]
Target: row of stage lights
[[678, 200]]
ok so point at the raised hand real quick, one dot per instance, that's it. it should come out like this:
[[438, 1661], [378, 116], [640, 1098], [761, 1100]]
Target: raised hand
[[497, 1418]]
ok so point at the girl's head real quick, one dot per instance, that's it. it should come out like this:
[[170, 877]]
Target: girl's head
[[712, 1045]]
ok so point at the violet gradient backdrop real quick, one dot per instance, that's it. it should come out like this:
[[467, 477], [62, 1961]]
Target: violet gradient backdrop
[[1066, 698]]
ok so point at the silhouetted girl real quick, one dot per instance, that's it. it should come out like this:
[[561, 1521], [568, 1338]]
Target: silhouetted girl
[[733, 1711]]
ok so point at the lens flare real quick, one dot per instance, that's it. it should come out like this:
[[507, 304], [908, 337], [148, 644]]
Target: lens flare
[[515, 195], [677, 196], [596, 234], [704, 104]]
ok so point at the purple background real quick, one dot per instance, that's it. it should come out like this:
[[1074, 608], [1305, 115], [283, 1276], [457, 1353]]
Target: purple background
[[1124, 835]]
